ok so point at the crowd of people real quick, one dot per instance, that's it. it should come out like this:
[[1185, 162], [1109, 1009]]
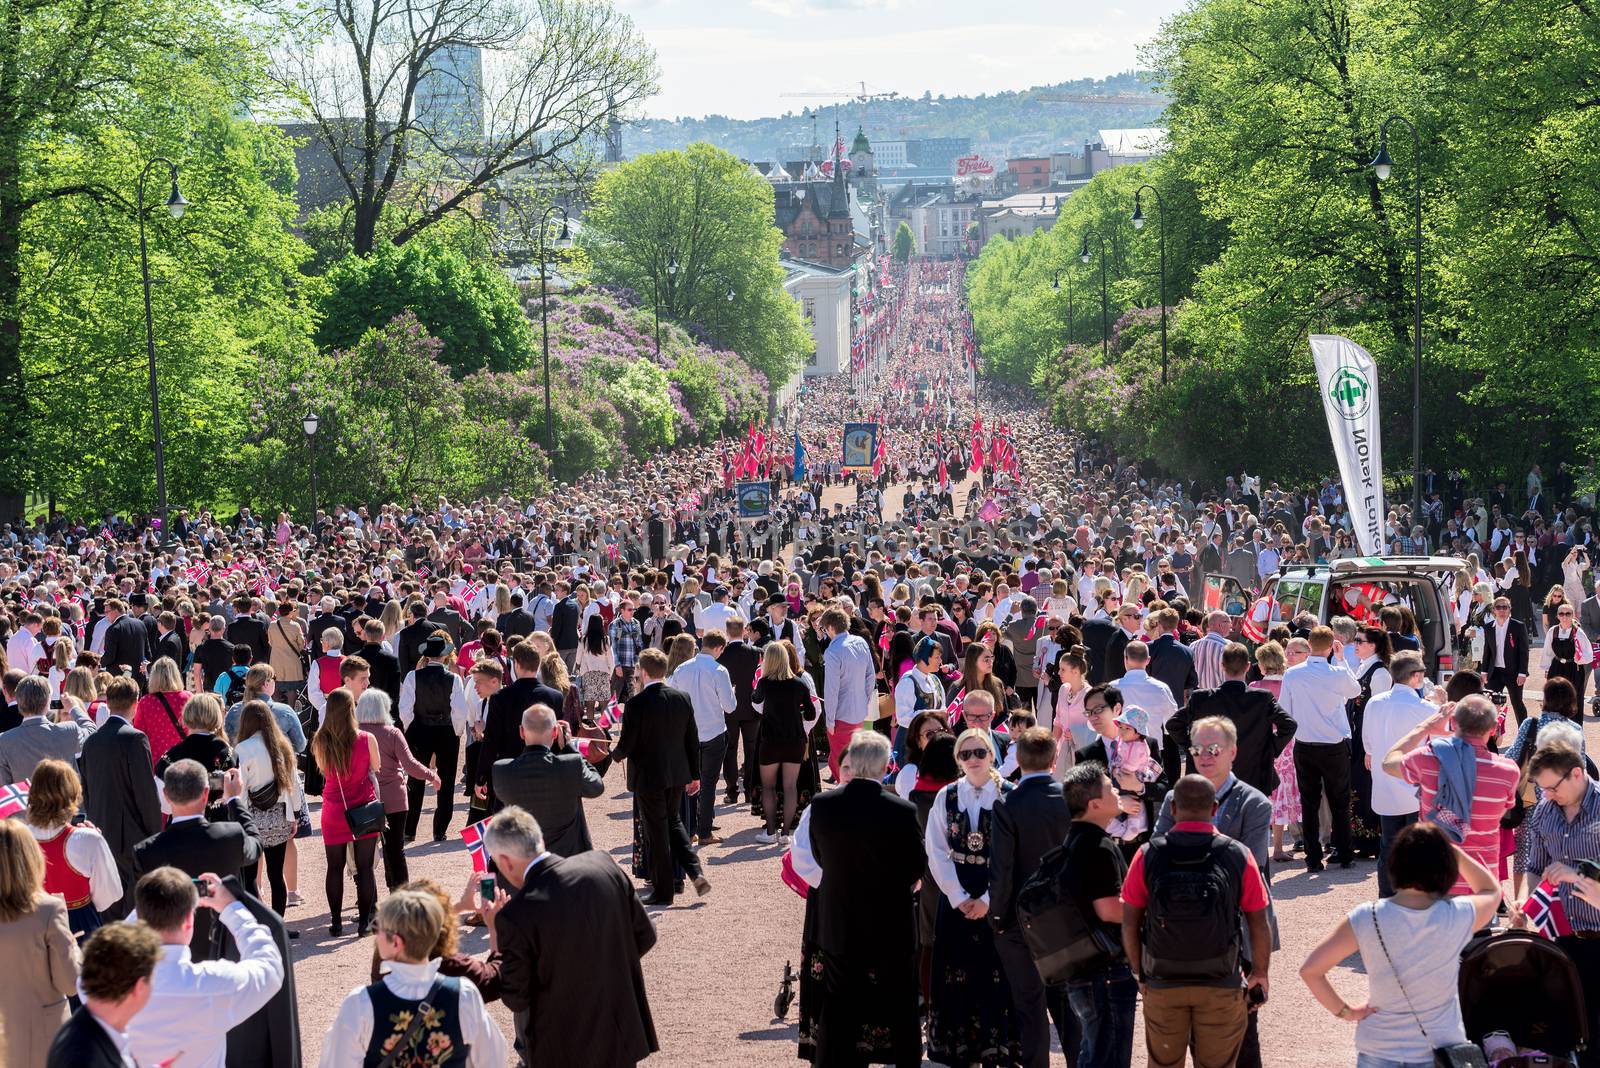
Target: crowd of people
[[1025, 776]]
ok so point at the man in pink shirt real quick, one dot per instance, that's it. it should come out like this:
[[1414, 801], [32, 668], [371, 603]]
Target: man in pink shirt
[[1413, 759]]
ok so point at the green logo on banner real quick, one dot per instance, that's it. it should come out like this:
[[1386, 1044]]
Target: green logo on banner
[[1351, 392]]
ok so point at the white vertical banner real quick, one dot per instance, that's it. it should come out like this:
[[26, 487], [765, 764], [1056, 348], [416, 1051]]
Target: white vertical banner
[[1348, 380]]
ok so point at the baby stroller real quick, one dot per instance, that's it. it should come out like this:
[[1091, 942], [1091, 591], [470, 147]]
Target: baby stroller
[[1526, 986]]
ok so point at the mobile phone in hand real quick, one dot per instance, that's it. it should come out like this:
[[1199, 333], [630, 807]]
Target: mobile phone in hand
[[486, 888]]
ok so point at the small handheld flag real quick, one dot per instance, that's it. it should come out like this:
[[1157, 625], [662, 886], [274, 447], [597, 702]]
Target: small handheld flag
[[1544, 909], [14, 799], [473, 837]]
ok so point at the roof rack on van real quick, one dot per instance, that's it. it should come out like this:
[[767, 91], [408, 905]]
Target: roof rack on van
[[1357, 563]]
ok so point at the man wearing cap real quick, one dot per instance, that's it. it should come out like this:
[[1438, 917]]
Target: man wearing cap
[[434, 714]]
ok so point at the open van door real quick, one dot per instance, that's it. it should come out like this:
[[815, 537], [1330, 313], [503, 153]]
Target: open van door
[[1224, 592]]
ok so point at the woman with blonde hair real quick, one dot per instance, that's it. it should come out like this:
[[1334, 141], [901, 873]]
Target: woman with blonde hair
[[82, 685], [393, 618], [78, 865], [63, 653], [970, 1015], [553, 673], [348, 757], [204, 741], [680, 651], [788, 711], [159, 712], [41, 956]]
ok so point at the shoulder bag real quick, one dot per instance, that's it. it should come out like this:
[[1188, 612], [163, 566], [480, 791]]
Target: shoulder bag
[[166, 707], [1455, 1055], [363, 819], [305, 657]]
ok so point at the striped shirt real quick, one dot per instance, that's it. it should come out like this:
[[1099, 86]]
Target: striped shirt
[[1207, 653], [1551, 837], [1491, 797]]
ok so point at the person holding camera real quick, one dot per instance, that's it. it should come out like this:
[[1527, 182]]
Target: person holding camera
[[194, 842], [193, 1005]]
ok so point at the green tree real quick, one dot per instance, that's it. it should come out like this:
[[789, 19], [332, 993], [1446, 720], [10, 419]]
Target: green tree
[[468, 304], [89, 89], [905, 242], [711, 215]]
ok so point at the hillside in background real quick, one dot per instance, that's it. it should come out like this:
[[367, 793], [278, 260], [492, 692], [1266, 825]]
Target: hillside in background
[[1000, 124]]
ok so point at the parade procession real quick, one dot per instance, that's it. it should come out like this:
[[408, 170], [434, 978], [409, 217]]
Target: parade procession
[[724, 601]]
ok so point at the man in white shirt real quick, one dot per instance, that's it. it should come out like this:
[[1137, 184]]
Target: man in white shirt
[[23, 650], [715, 616], [710, 691], [114, 983], [193, 1006], [1389, 717], [1314, 693], [434, 713], [918, 690], [1150, 694]]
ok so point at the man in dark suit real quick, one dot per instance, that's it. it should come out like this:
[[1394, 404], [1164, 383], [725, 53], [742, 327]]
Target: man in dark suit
[[516, 623], [169, 643], [408, 643], [550, 783], [662, 747], [1505, 655], [119, 796], [570, 915], [248, 628], [327, 618], [118, 963], [1101, 706], [126, 645], [1097, 634], [193, 844], [863, 843], [1265, 729], [741, 659], [383, 666], [564, 619], [1127, 630], [1029, 822], [448, 619], [502, 723], [1170, 660]]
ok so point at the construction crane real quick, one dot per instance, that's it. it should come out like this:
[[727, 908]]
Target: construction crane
[[1119, 100], [863, 98]]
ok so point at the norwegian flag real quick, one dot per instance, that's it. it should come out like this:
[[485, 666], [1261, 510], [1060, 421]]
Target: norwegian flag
[[790, 877], [953, 707], [611, 717], [109, 536], [977, 442], [473, 837], [198, 572], [258, 585], [470, 591], [1255, 620], [423, 570], [1041, 623], [883, 454], [1544, 909], [885, 636], [14, 799]]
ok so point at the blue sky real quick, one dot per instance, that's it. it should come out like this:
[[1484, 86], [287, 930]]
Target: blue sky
[[735, 57]]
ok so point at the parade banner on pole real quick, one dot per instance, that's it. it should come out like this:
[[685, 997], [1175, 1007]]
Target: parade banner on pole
[[755, 499], [1348, 379], [860, 445]]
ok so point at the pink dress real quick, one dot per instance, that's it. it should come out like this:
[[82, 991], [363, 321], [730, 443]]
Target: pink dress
[[1286, 798], [351, 789]]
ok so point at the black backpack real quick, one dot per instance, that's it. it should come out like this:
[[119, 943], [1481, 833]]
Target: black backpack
[[235, 685], [1063, 941], [1192, 921]]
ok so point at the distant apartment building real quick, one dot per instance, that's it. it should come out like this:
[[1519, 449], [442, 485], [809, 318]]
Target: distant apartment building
[[1028, 172]]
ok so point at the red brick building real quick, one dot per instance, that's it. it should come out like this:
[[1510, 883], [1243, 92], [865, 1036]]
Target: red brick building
[[1029, 172]]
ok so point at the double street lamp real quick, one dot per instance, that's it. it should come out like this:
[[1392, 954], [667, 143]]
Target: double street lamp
[[1383, 166], [1138, 224], [176, 206], [1105, 327], [1056, 285], [544, 318]]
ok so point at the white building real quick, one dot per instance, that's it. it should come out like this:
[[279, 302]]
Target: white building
[[889, 154], [939, 222], [824, 296]]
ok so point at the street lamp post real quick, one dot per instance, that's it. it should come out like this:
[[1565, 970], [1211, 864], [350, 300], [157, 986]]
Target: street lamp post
[[1138, 224], [309, 424], [175, 207], [672, 269], [1056, 284], [1383, 165], [544, 320], [1105, 326]]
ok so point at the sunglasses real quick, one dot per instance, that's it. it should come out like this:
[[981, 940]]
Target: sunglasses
[[972, 754], [1094, 710], [1213, 749]]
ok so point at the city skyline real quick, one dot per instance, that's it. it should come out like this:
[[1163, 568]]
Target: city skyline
[[773, 47]]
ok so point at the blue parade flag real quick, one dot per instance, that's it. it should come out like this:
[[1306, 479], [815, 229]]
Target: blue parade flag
[[799, 458]]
